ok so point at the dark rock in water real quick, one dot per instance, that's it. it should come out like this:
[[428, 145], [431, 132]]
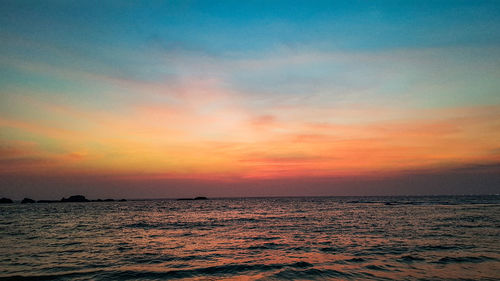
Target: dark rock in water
[[105, 200], [75, 198], [122, 200], [48, 201], [4, 200], [196, 198], [27, 200]]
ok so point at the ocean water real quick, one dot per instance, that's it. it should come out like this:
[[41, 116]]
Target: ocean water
[[350, 238]]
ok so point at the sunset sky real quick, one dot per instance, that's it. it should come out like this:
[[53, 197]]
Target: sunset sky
[[146, 99]]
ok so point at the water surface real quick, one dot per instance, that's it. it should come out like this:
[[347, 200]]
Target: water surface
[[254, 238]]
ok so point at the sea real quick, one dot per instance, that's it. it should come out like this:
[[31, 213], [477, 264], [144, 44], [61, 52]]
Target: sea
[[299, 238]]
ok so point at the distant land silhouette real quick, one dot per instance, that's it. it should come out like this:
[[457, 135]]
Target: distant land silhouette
[[72, 198], [81, 198]]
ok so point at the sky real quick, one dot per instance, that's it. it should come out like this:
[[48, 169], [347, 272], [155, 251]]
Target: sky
[[165, 99]]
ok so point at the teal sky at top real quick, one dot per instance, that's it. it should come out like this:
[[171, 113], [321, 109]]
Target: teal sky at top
[[222, 27], [122, 38]]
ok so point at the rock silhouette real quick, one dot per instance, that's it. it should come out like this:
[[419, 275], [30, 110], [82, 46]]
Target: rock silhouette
[[4, 200], [75, 198], [48, 201], [105, 200], [27, 200], [196, 198]]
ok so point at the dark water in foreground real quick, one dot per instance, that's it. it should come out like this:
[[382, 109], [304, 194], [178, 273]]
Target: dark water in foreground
[[274, 238]]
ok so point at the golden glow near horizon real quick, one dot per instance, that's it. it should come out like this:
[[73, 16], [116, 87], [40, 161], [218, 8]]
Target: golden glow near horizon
[[209, 135]]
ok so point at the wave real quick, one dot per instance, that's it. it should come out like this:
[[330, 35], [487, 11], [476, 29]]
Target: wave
[[267, 246], [296, 268], [470, 259], [410, 259], [356, 260], [376, 267], [426, 248], [332, 249], [311, 273]]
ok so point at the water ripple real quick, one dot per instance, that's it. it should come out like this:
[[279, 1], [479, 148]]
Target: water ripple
[[378, 238]]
